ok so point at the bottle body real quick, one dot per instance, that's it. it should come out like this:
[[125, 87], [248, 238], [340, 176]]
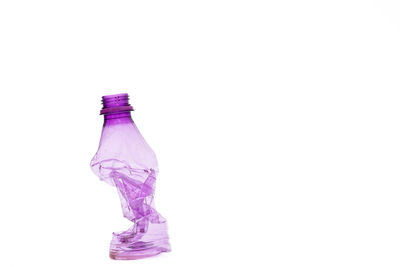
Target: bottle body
[[126, 161]]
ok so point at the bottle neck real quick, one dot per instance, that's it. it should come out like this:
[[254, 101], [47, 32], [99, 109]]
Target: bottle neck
[[116, 109], [117, 118]]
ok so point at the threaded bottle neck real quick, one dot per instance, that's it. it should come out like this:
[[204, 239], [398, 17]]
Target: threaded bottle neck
[[115, 104]]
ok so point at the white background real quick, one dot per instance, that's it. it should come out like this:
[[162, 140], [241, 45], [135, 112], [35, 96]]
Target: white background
[[275, 123]]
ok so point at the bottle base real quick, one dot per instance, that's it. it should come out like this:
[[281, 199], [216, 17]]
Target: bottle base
[[139, 250]]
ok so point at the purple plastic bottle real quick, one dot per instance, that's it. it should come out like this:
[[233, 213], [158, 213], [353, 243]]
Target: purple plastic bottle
[[126, 161]]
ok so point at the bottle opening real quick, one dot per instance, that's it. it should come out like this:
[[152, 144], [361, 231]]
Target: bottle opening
[[115, 103]]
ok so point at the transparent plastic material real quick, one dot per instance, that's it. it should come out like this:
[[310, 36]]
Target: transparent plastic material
[[126, 161]]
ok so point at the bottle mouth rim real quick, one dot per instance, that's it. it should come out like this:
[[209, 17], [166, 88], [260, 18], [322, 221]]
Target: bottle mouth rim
[[115, 103]]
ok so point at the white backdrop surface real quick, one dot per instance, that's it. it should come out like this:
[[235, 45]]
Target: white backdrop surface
[[275, 123]]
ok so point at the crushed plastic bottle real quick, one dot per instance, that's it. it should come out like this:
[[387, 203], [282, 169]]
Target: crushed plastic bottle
[[126, 161]]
